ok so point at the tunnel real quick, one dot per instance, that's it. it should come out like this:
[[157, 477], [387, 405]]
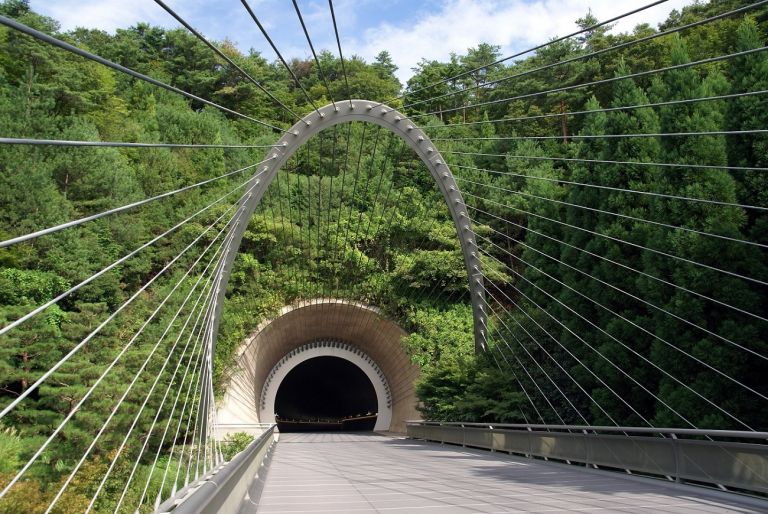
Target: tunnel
[[326, 394], [287, 355]]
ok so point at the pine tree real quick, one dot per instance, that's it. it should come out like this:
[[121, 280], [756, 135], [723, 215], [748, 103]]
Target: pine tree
[[575, 240], [715, 184], [627, 178], [749, 74]]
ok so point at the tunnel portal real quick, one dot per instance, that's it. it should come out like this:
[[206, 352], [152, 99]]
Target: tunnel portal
[[353, 332], [327, 388], [326, 394]]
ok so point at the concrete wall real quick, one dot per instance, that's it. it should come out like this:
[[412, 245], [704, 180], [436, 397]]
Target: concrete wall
[[353, 323]]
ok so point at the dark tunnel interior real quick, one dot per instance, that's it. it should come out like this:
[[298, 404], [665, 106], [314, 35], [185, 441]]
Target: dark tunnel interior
[[326, 394]]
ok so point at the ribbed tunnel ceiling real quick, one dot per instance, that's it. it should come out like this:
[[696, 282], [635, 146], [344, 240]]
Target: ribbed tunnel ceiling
[[358, 326]]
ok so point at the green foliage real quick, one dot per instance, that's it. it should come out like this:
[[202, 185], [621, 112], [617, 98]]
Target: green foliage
[[20, 286], [10, 449], [581, 308], [602, 314], [235, 443], [286, 254], [454, 384]]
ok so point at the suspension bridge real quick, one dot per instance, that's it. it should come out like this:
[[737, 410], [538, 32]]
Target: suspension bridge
[[611, 261]]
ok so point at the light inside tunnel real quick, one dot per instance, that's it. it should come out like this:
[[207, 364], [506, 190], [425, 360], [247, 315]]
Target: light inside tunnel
[[323, 394]]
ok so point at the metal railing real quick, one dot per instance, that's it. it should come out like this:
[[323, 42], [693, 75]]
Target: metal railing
[[254, 429], [224, 489], [720, 458]]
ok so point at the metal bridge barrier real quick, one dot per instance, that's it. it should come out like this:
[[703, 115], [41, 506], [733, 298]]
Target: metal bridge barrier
[[254, 429], [729, 460], [225, 488]]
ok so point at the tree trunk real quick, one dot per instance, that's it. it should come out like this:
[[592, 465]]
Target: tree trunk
[[25, 369]]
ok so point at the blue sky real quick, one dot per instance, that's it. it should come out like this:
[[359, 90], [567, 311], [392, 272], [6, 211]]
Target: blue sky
[[408, 29]]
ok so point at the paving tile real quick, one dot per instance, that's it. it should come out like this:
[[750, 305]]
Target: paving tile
[[374, 473]]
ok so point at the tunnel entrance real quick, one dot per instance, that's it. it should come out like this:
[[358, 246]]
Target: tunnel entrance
[[326, 394]]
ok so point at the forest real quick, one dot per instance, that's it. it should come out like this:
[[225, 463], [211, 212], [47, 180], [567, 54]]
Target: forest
[[568, 270]]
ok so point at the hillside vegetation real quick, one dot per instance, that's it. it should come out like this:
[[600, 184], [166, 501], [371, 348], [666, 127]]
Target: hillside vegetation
[[357, 216]]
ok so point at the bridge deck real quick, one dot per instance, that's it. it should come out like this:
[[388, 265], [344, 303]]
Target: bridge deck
[[373, 473]]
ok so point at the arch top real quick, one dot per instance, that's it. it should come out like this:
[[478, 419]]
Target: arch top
[[366, 111], [400, 125]]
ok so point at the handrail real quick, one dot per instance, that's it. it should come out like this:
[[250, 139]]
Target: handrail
[[223, 490], [732, 465], [258, 425], [736, 434]]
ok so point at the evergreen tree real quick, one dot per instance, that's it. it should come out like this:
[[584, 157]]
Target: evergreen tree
[[714, 184], [613, 253], [749, 74]]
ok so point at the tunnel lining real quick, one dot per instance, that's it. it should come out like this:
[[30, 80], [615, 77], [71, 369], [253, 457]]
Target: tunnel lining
[[362, 325], [327, 348]]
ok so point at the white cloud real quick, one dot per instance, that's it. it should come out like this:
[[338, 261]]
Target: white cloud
[[218, 19], [515, 25], [105, 15], [430, 29]]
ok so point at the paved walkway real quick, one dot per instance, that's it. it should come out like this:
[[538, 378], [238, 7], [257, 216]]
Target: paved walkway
[[374, 473]]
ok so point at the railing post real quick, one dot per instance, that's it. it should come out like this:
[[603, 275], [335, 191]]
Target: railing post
[[676, 453], [587, 447], [530, 443], [493, 449]]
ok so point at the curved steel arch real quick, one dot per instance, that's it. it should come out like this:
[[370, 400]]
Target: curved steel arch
[[397, 123]]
